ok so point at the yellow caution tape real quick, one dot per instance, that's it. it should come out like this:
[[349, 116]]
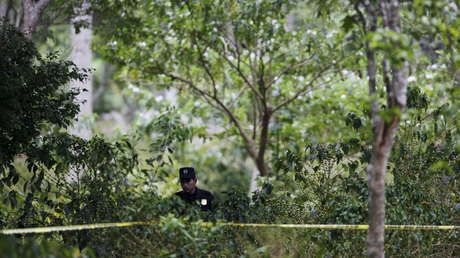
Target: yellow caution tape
[[339, 226], [39, 230]]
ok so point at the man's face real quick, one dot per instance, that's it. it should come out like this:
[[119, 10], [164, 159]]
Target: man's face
[[188, 185]]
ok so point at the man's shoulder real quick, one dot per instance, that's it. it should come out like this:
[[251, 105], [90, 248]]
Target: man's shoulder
[[205, 193], [180, 193]]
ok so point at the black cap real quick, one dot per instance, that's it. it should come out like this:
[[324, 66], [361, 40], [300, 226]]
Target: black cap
[[187, 173]]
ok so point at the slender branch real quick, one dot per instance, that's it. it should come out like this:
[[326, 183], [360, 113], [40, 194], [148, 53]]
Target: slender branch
[[235, 49], [188, 82], [238, 96], [40, 5], [228, 33], [205, 95], [241, 74], [205, 66], [371, 65], [299, 93], [249, 142], [290, 67], [236, 53], [260, 76], [270, 61], [252, 65], [305, 89], [387, 82], [254, 120]]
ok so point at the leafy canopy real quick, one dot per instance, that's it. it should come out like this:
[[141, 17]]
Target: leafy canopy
[[31, 92]]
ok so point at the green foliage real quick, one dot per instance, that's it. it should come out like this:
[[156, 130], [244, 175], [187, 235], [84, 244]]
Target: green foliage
[[173, 236], [246, 60], [215, 45], [320, 143], [31, 247], [32, 94], [178, 231], [323, 184], [74, 182], [33, 97], [175, 139], [167, 131], [421, 188]]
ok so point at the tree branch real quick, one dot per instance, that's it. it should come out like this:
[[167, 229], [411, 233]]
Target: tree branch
[[201, 92], [387, 82], [32, 12], [371, 26], [238, 96], [41, 4], [263, 140], [188, 82], [305, 89], [241, 74], [293, 66], [254, 119], [206, 67], [249, 142]]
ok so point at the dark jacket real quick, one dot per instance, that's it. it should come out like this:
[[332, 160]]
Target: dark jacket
[[199, 197]]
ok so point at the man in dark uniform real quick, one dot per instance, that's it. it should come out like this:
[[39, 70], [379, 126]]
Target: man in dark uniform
[[192, 194]]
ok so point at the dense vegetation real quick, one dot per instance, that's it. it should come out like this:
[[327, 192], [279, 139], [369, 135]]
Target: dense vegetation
[[286, 86]]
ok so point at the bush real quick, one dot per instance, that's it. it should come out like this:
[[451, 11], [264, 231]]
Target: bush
[[31, 94], [30, 247]]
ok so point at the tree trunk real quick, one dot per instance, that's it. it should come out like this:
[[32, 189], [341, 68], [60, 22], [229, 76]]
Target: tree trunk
[[4, 6], [376, 169], [394, 76], [263, 142], [81, 55], [253, 187], [32, 10]]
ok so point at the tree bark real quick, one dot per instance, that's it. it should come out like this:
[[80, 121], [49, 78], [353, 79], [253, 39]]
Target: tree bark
[[376, 169], [81, 55], [32, 10], [4, 6], [395, 80], [263, 141], [253, 187]]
